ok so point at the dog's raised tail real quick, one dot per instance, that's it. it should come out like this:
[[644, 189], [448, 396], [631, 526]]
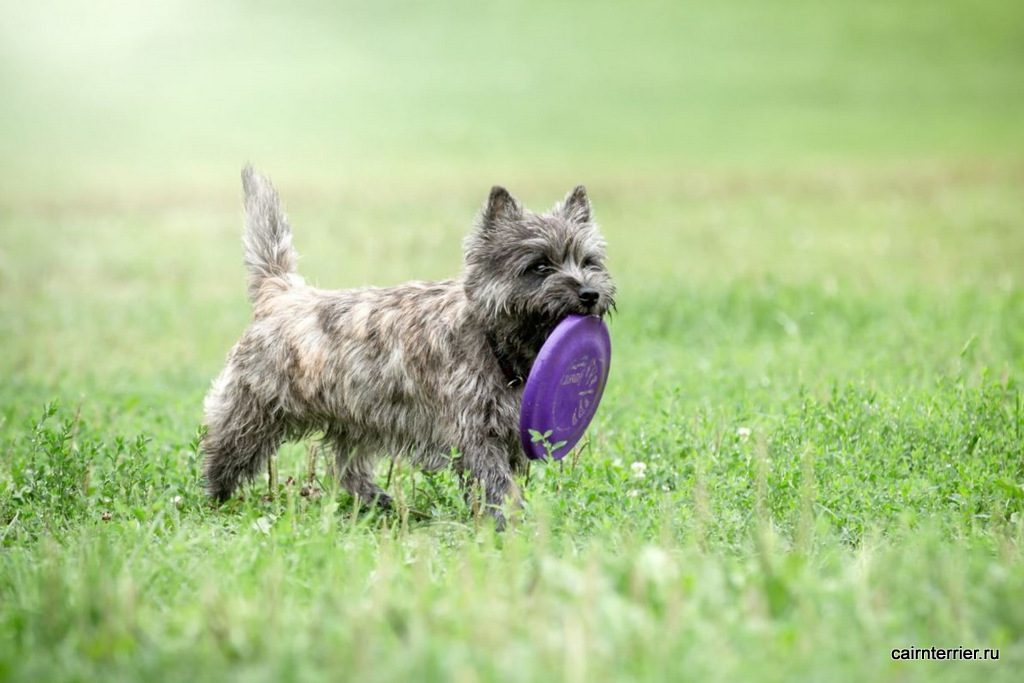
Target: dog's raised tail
[[269, 254]]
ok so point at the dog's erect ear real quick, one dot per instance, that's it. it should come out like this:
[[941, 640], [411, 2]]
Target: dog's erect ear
[[576, 205], [501, 205]]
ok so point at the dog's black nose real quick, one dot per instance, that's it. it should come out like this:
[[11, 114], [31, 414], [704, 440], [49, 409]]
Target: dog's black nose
[[589, 296]]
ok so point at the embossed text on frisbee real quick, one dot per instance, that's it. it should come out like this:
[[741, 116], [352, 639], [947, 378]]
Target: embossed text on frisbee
[[584, 375]]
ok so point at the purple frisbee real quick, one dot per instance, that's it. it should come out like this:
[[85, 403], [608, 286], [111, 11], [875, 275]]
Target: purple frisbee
[[565, 385]]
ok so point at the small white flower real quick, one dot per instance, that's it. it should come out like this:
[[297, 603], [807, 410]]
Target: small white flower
[[617, 462], [632, 493], [665, 488], [743, 433], [656, 566], [639, 469], [177, 501], [263, 524]]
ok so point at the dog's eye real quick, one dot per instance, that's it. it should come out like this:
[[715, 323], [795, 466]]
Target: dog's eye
[[590, 262], [540, 268]]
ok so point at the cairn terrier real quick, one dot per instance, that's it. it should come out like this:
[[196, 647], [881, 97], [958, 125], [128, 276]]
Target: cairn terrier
[[418, 371]]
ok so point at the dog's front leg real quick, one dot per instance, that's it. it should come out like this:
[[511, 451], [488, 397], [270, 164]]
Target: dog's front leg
[[488, 470]]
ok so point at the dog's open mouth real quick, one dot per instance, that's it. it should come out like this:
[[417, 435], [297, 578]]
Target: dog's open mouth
[[599, 309]]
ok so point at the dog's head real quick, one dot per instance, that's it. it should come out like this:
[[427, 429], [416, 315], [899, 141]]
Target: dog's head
[[534, 267]]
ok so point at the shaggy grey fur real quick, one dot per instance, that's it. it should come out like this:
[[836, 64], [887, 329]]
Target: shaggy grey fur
[[411, 371]]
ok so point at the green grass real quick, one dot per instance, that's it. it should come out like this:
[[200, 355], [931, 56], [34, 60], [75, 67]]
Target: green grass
[[815, 217]]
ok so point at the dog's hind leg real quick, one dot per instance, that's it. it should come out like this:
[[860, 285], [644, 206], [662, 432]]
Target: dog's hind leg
[[241, 436], [354, 469]]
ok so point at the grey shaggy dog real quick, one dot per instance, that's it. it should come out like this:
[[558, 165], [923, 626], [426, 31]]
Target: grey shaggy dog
[[415, 371]]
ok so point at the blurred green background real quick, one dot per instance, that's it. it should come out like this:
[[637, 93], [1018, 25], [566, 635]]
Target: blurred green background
[[111, 95]]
